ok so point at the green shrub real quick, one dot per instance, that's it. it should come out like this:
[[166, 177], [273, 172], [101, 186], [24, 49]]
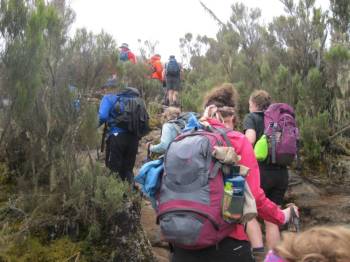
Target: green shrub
[[338, 53], [314, 133], [32, 249]]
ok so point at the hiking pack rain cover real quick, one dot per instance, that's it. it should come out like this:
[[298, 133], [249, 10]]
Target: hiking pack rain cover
[[261, 148]]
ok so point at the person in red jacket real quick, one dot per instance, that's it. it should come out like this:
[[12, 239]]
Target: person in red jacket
[[220, 112], [126, 54]]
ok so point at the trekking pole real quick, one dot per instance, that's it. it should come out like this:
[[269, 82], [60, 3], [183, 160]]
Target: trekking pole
[[273, 143], [148, 158], [294, 220], [104, 133]]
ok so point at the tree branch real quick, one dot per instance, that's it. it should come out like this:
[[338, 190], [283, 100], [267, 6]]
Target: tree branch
[[212, 14], [345, 128]]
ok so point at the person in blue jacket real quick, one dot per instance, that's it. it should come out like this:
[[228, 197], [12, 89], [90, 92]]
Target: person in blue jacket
[[121, 145], [170, 130]]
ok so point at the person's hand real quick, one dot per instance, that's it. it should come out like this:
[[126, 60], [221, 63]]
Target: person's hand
[[210, 111], [148, 145]]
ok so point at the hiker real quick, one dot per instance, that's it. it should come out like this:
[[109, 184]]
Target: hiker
[[220, 114], [156, 67], [170, 130], [274, 178], [253, 228], [126, 119], [318, 244], [126, 54], [172, 75]]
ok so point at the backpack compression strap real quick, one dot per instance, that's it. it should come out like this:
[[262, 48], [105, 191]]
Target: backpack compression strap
[[226, 169], [273, 142]]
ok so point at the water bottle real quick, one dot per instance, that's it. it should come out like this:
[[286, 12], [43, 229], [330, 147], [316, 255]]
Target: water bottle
[[228, 192], [238, 183], [233, 199]]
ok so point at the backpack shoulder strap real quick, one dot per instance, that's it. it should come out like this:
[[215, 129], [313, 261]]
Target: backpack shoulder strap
[[176, 126], [115, 104], [223, 133]]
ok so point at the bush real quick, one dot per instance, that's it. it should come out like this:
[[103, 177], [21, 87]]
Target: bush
[[338, 54], [136, 75], [32, 249], [314, 134]]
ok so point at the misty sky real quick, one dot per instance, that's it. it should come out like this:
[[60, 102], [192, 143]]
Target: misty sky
[[162, 20]]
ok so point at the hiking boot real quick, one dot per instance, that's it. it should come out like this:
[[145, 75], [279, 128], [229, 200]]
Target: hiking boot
[[259, 254]]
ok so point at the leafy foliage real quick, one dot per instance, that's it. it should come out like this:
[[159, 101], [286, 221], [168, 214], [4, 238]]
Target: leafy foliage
[[288, 57], [48, 131], [314, 132], [48, 122]]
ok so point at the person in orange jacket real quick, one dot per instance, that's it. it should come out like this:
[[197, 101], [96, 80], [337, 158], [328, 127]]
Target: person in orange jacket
[[157, 67], [157, 73]]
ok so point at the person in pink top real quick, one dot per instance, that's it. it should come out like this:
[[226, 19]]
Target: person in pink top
[[220, 112]]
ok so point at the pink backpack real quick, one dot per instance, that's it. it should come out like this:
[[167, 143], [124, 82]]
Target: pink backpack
[[191, 193]]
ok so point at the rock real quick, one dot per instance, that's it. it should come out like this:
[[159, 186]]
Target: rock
[[317, 205], [161, 254]]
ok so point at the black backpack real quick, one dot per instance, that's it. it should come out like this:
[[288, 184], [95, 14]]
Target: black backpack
[[131, 113]]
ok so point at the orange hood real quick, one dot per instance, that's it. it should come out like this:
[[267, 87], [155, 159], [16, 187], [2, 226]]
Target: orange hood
[[155, 58]]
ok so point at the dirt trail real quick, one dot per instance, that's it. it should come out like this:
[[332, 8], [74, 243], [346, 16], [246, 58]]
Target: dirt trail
[[318, 205], [148, 216]]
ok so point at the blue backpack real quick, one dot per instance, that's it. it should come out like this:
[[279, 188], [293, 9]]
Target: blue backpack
[[173, 68], [123, 56]]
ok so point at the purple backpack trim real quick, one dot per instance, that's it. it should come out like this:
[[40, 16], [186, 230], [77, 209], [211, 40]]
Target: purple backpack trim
[[272, 257]]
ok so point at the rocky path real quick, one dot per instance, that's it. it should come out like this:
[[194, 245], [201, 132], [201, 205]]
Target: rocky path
[[320, 205], [148, 216]]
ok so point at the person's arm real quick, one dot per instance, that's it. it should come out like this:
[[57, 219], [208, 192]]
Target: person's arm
[[168, 135], [132, 57], [249, 128], [103, 112], [251, 135], [164, 72], [159, 70], [267, 210]]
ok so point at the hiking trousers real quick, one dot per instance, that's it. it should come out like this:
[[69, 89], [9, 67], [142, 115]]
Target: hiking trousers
[[121, 150], [274, 182], [228, 250]]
